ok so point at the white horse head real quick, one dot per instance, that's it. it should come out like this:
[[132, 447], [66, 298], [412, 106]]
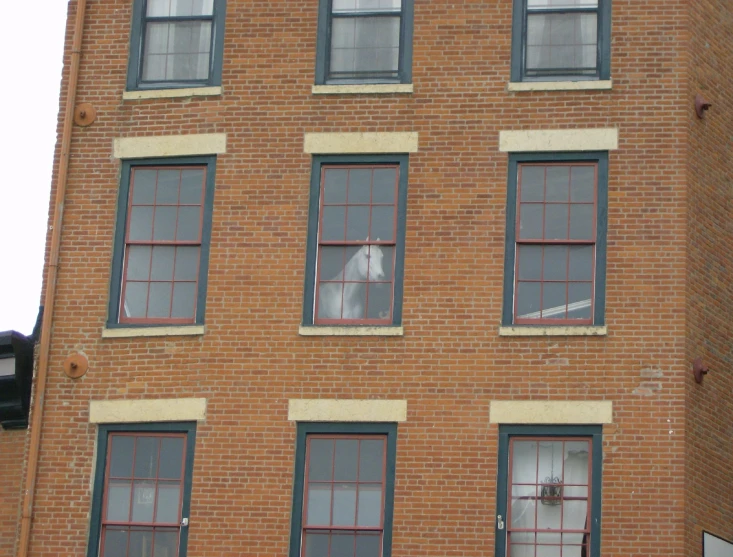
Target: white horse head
[[366, 264]]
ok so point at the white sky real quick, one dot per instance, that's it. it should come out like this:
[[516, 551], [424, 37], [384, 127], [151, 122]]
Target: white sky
[[31, 69]]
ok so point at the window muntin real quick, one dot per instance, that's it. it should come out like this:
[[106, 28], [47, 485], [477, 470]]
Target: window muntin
[[555, 243], [343, 509], [356, 244], [550, 497], [163, 244]]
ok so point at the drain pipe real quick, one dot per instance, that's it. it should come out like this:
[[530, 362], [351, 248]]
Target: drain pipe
[[49, 299]]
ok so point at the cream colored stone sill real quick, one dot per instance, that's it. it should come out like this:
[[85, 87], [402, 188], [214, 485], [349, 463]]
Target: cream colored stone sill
[[171, 93], [373, 89], [130, 332], [560, 86], [316, 331], [553, 331]]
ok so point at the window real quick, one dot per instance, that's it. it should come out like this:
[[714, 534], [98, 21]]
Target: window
[[364, 41], [176, 43], [549, 491], [555, 262], [344, 490], [162, 242], [561, 40], [356, 240], [142, 490]]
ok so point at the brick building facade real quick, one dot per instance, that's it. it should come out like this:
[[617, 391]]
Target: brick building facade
[[387, 278]]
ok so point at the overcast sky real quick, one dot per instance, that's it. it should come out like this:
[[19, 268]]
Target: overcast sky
[[31, 63]]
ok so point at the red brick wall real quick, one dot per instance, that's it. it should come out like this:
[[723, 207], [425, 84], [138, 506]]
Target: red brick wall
[[451, 361], [12, 446], [709, 490]]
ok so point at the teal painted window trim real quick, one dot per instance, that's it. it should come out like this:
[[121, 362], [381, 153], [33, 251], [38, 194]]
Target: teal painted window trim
[[323, 47], [336, 429], [187, 428], [137, 39], [113, 312], [319, 161], [515, 159], [591, 432], [519, 41]]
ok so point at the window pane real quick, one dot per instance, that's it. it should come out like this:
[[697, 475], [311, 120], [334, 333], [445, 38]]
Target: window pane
[[192, 183], [120, 460], [560, 4], [532, 185], [556, 222], [344, 504], [319, 505], [369, 511], [138, 263], [316, 545], [366, 5], [357, 223], [334, 185], [371, 460], [555, 263], [550, 551], [118, 500], [143, 186], [384, 187], [360, 185], [143, 501], [554, 300], [345, 463], [141, 542], [169, 498], [141, 224], [162, 267], [582, 184], [330, 296], [189, 224], [333, 224], [115, 542], [136, 299], [171, 458], [366, 44], [368, 545], [558, 183], [581, 222], [320, 459], [523, 506], [579, 300], [186, 54], [530, 221], [187, 263], [146, 457], [165, 223], [581, 263], [184, 300], [380, 301], [342, 545], [159, 302], [558, 41], [382, 227], [528, 299], [166, 543], [387, 261], [530, 262], [331, 263], [167, 191]]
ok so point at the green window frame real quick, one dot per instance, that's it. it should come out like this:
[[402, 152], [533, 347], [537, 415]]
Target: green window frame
[[162, 42], [541, 32], [131, 509], [333, 294], [169, 271], [520, 267], [339, 23], [340, 529], [538, 504]]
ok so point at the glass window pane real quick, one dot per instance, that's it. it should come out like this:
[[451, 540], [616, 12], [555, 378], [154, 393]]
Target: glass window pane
[[141, 224], [146, 457], [387, 261], [357, 222], [189, 224], [346, 461], [532, 185], [582, 184], [528, 300], [184, 300], [582, 222], [159, 301], [333, 224], [554, 302], [192, 185], [524, 462], [579, 300], [136, 299], [334, 185], [574, 516], [141, 542], [143, 186], [331, 263], [165, 223], [167, 191], [154, 67], [384, 186], [158, 8], [369, 509], [551, 551], [320, 459], [558, 183], [318, 505], [171, 458], [115, 542], [187, 263], [368, 544], [342, 33], [380, 301], [371, 459], [360, 185], [138, 263], [120, 460], [382, 226], [530, 221], [530, 262], [169, 499], [143, 502], [556, 222], [166, 543], [162, 265], [330, 297], [342, 545], [118, 500], [581, 263], [316, 545], [555, 263], [523, 506], [344, 504]]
